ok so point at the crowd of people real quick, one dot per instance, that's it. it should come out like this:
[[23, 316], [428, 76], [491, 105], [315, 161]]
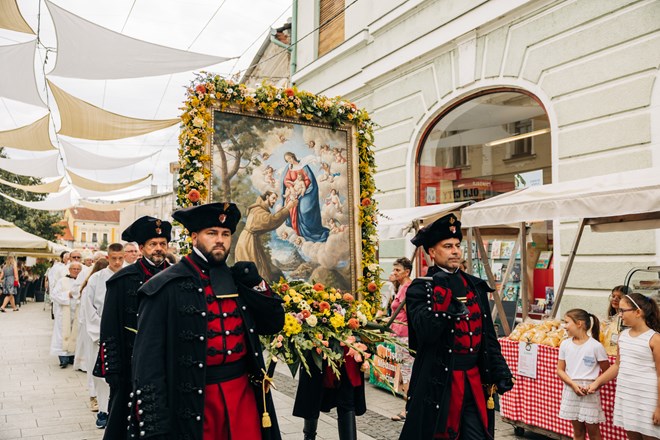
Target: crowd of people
[[171, 348]]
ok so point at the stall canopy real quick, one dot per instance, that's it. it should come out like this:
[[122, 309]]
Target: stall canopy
[[612, 195], [614, 202], [16, 241], [397, 223]]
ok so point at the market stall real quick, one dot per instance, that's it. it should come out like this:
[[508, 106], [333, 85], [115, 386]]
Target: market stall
[[14, 240], [617, 202]]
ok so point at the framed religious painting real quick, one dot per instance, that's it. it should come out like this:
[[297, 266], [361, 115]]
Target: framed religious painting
[[296, 184]]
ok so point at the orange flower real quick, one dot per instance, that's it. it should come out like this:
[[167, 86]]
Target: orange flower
[[318, 287], [348, 297], [353, 323], [372, 287], [284, 287], [289, 92], [366, 202], [324, 305], [200, 89], [306, 314], [193, 195]]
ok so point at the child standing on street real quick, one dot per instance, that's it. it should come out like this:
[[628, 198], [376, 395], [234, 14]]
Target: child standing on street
[[636, 405], [581, 358]]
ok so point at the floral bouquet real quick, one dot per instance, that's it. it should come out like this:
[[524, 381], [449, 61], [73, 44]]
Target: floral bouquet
[[325, 323]]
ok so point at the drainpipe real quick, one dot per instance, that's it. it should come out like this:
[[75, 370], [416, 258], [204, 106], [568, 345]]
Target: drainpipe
[[294, 39]]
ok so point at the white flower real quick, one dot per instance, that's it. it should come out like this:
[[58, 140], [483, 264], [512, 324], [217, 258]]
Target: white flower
[[303, 305], [230, 91], [311, 320], [198, 122], [278, 96], [373, 268], [362, 318]]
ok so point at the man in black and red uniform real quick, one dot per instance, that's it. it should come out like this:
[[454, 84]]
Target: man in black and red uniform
[[458, 358], [198, 365], [119, 318]]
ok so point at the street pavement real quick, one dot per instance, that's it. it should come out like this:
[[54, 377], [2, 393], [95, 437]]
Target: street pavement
[[40, 401]]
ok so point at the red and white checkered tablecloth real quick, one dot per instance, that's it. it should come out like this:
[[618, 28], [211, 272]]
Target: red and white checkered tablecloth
[[535, 402]]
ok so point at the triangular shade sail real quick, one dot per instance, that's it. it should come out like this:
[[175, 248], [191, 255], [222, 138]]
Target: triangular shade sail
[[105, 54], [33, 137], [44, 188], [101, 206], [77, 157], [93, 185], [45, 166], [57, 202], [11, 18], [19, 82], [83, 120]]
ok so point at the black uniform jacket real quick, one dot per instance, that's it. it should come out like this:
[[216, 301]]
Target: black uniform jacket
[[114, 359], [169, 368], [431, 336]]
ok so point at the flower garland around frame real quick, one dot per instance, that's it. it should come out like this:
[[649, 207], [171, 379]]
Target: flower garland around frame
[[208, 91]]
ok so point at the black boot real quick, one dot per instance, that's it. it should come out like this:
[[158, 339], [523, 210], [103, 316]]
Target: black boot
[[309, 429], [346, 425]]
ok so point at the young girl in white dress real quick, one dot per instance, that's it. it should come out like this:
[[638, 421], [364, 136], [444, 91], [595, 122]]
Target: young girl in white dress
[[581, 359], [636, 404]]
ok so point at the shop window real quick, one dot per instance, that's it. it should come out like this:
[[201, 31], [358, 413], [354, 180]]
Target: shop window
[[105, 237], [331, 25], [488, 144], [83, 237], [94, 237]]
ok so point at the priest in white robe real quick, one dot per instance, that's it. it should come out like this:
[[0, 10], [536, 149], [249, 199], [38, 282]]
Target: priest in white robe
[[93, 299], [65, 297]]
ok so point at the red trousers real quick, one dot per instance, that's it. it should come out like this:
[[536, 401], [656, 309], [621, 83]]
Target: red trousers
[[461, 379]]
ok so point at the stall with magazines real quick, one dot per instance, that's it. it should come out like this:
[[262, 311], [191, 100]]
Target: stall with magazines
[[615, 202]]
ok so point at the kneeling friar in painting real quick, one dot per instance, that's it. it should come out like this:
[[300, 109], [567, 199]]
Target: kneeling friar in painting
[[198, 371], [458, 363]]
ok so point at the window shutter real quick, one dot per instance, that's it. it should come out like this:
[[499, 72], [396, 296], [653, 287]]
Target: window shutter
[[331, 25]]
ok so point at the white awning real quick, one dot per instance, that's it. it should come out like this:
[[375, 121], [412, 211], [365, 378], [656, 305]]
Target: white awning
[[397, 223], [55, 202], [19, 82], [44, 166], [89, 51], [631, 192], [77, 157], [33, 137], [108, 206], [83, 120]]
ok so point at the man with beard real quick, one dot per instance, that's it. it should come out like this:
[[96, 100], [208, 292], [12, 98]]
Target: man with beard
[[260, 220], [198, 369], [458, 363], [119, 317]]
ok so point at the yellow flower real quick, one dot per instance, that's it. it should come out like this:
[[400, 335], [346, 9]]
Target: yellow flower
[[287, 299], [337, 321], [198, 177], [291, 325]]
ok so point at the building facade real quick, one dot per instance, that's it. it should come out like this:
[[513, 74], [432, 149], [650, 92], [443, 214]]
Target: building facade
[[474, 98], [89, 229]]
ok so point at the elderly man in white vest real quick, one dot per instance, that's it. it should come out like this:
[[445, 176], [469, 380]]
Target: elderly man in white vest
[[66, 296]]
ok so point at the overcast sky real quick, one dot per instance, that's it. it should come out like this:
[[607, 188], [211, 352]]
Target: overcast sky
[[227, 28]]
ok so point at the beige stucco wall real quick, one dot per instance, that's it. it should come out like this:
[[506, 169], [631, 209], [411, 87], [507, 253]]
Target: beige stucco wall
[[592, 63]]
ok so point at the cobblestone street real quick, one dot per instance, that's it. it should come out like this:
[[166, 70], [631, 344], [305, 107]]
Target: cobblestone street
[[39, 401]]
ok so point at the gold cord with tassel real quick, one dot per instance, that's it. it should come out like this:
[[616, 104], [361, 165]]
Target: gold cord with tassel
[[491, 390], [265, 388]]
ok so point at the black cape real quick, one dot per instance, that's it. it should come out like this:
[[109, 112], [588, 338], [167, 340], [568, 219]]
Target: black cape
[[116, 343], [166, 374], [431, 337]]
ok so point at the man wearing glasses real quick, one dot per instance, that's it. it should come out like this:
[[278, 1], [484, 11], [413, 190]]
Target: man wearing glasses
[[131, 253], [119, 319]]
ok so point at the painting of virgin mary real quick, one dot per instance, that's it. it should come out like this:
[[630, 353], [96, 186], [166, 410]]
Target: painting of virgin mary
[[305, 218]]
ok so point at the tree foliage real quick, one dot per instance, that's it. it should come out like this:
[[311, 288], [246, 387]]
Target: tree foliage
[[41, 223]]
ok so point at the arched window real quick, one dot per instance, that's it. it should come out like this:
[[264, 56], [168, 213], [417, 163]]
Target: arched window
[[485, 145]]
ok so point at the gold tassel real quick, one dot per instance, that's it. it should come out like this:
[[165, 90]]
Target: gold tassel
[[265, 417], [491, 402]]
